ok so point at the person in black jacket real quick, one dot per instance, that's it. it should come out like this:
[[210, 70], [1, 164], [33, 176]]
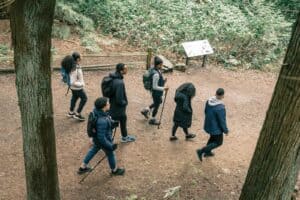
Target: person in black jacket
[[183, 112], [103, 139], [214, 123], [158, 88], [119, 101]]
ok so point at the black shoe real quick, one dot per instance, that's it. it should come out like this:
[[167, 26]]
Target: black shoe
[[190, 136], [71, 114], [145, 112], [200, 153], [210, 154], [173, 138], [83, 170], [154, 122], [118, 172], [79, 117]]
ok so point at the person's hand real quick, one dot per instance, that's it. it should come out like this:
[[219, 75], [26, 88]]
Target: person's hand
[[115, 124], [114, 146], [91, 141]]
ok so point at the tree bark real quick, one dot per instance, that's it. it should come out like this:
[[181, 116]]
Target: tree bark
[[31, 24], [276, 161]]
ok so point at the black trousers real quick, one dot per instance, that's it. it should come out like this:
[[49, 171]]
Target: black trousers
[[213, 142], [76, 94], [175, 127], [157, 100], [123, 124]]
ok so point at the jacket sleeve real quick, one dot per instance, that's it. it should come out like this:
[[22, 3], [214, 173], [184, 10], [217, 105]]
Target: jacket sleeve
[[185, 105], [120, 94], [205, 110], [221, 115], [102, 126], [155, 80]]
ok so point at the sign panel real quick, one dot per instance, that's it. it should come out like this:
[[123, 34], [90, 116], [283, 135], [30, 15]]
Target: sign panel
[[197, 48]]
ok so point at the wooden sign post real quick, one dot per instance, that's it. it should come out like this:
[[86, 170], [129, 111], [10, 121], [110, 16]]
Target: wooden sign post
[[197, 48]]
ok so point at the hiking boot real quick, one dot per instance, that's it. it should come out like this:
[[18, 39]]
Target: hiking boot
[[118, 172], [79, 117], [70, 114], [173, 138], [200, 153], [190, 136], [210, 154], [128, 138], [145, 112], [83, 170], [154, 122]]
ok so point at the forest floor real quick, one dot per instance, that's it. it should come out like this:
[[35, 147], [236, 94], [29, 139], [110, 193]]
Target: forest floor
[[153, 163]]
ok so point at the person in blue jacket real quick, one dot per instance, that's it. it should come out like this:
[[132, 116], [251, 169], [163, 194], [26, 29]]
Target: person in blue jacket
[[103, 139], [214, 124]]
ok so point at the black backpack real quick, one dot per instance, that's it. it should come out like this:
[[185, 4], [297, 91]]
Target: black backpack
[[107, 86], [148, 78], [91, 125]]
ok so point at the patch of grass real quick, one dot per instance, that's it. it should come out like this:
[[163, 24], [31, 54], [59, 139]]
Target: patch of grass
[[255, 35], [4, 49], [61, 31]]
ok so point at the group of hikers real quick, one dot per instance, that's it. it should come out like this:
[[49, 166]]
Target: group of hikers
[[110, 110]]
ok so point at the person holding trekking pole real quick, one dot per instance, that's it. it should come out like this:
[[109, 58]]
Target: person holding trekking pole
[[102, 138], [157, 90], [183, 112]]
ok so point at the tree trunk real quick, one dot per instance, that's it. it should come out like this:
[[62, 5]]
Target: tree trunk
[[276, 161], [31, 24]]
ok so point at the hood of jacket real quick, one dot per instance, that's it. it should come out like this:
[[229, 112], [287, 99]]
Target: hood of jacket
[[187, 89], [213, 101], [179, 96], [116, 75], [100, 113]]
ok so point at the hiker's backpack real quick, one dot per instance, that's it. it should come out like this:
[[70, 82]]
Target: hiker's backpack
[[65, 76], [107, 86], [147, 78], [91, 124], [67, 64]]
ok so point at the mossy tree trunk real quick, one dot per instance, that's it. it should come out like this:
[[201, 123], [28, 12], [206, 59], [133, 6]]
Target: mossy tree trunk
[[31, 24], [276, 161]]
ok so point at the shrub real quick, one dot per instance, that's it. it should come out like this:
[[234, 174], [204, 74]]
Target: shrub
[[257, 34]]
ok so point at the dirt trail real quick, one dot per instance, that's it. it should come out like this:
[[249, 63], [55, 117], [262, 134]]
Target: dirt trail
[[153, 163]]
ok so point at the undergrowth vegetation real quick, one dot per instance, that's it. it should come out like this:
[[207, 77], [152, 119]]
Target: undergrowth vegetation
[[255, 35]]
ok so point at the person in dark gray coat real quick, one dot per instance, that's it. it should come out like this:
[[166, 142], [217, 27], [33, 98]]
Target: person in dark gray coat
[[183, 112], [119, 101], [214, 124]]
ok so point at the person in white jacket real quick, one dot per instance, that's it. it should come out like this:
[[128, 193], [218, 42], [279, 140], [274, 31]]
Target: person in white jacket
[[76, 86]]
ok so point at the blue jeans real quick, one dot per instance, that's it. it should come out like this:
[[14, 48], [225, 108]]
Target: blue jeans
[[93, 151]]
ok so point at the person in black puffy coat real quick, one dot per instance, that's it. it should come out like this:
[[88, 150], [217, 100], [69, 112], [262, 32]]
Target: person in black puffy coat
[[183, 112]]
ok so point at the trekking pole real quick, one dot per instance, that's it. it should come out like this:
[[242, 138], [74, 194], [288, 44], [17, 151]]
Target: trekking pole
[[67, 91], [88, 173], [162, 109]]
